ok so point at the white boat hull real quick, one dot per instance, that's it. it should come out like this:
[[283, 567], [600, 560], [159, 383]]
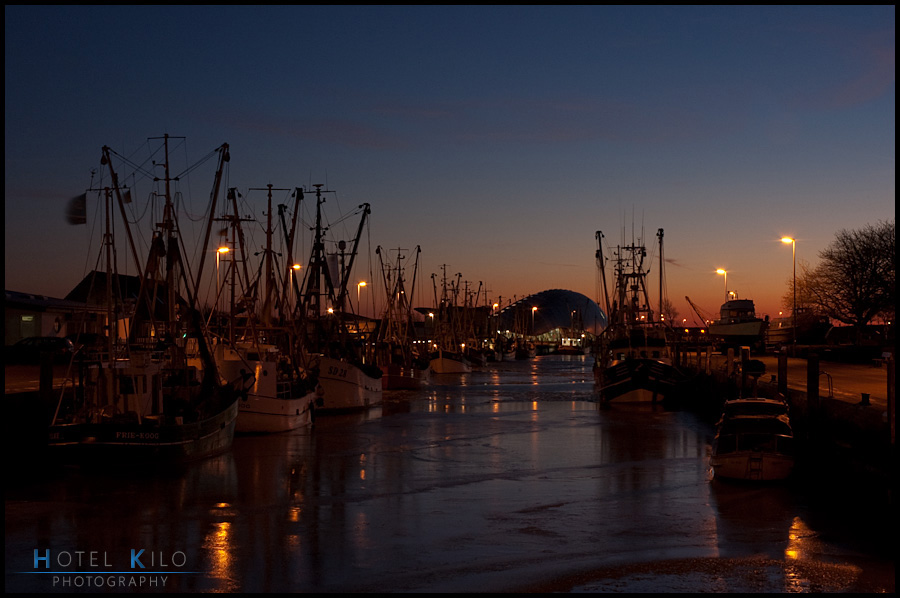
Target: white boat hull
[[447, 364], [270, 404], [345, 386], [259, 414]]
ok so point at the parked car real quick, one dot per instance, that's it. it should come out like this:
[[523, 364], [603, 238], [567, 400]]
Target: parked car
[[90, 340], [29, 350]]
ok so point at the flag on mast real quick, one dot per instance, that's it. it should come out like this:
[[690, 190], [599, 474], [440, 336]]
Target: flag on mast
[[76, 212]]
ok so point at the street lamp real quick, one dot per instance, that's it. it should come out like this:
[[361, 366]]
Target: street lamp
[[358, 286], [533, 309], [221, 251], [721, 271], [294, 270], [793, 243]]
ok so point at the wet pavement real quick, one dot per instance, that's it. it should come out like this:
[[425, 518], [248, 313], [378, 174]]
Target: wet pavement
[[511, 478]]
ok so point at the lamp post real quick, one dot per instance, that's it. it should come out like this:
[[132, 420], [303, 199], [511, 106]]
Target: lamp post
[[793, 243], [533, 309], [294, 270], [358, 286], [219, 252], [721, 271]]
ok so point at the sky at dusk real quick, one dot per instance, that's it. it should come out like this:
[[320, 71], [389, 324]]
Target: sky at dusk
[[497, 139]]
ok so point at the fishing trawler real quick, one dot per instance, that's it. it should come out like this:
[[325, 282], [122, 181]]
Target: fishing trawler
[[255, 341], [154, 395], [350, 378], [396, 344], [448, 344], [634, 363]]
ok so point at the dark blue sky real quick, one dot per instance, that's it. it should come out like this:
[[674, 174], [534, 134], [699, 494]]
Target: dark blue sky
[[499, 139]]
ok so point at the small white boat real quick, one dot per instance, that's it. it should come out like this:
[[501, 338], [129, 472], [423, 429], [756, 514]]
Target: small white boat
[[754, 441]]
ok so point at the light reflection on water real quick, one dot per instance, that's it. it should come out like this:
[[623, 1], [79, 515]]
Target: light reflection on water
[[502, 477]]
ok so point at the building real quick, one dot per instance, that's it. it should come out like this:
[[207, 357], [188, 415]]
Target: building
[[28, 314]]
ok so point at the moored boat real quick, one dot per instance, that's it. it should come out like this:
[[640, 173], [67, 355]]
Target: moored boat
[[754, 441], [634, 363], [738, 325], [350, 379], [397, 346], [275, 398], [450, 330], [397, 377], [154, 395], [347, 385], [449, 362]]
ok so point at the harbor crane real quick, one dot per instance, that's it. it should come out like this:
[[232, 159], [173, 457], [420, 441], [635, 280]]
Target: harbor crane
[[705, 318]]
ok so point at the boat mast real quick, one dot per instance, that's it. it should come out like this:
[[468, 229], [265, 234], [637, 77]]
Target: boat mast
[[659, 233], [601, 262], [345, 278], [224, 157]]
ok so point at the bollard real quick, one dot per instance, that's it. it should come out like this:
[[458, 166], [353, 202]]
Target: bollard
[[865, 399]]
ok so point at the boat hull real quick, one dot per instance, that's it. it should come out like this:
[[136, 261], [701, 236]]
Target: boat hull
[[259, 414], [636, 381], [753, 466], [448, 363], [346, 386], [153, 442], [395, 377], [270, 403]]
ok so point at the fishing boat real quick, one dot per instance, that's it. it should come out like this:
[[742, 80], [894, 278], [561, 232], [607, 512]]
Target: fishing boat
[[349, 377], [754, 440], [448, 336], [634, 363], [738, 325], [276, 398], [155, 394], [449, 362], [255, 343], [397, 346]]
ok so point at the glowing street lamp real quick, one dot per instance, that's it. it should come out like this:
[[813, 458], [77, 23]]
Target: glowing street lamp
[[793, 243], [358, 286], [721, 271], [533, 309], [294, 270], [221, 251]]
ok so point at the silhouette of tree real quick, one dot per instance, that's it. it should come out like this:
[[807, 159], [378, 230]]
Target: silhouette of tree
[[855, 282]]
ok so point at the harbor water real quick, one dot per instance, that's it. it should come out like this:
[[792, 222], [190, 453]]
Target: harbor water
[[510, 478]]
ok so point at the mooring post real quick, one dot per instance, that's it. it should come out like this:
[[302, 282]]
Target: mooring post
[[812, 384], [891, 407], [782, 375]]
